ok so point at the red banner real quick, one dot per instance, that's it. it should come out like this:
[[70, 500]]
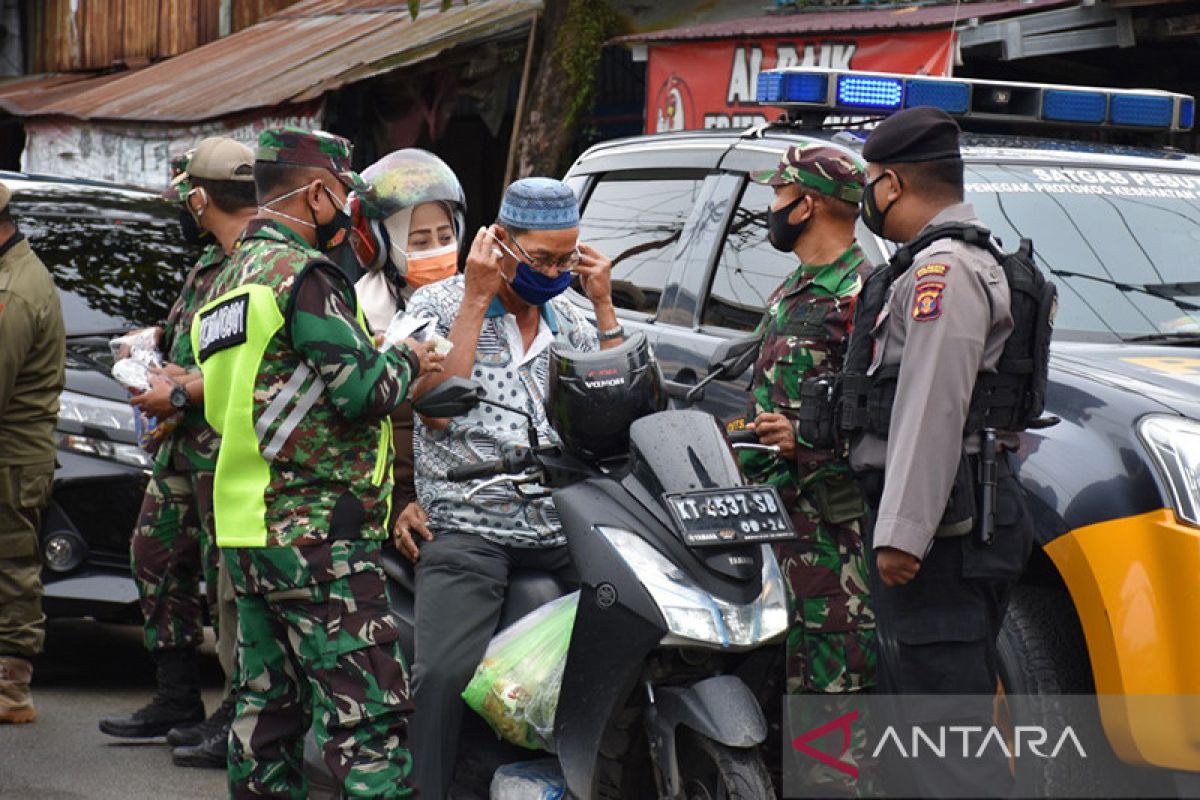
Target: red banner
[[713, 84]]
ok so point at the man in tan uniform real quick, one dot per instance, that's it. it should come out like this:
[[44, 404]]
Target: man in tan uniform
[[940, 586], [32, 354]]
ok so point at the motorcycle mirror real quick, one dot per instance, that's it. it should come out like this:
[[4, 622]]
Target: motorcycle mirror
[[733, 357], [453, 397]]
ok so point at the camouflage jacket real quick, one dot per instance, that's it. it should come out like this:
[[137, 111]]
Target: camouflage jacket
[[192, 446], [320, 395], [804, 332]]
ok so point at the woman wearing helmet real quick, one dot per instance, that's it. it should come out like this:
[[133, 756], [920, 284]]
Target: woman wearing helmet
[[406, 234]]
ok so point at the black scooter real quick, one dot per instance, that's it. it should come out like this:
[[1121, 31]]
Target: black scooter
[[681, 598]]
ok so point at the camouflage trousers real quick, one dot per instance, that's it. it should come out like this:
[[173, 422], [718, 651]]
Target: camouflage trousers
[[323, 653], [171, 552], [831, 639]]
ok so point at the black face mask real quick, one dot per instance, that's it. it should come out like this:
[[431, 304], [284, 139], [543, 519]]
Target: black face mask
[[336, 232], [191, 230], [872, 215], [783, 234]]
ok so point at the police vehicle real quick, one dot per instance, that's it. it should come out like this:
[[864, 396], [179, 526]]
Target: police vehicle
[[1109, 601]]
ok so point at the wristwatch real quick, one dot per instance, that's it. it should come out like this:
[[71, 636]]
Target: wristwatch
[[180, 398], [612, 333]]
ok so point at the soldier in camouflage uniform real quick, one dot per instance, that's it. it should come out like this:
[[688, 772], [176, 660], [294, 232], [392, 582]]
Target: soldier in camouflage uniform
[[830, 644], [302, 399], [172, 547], [831, 640]]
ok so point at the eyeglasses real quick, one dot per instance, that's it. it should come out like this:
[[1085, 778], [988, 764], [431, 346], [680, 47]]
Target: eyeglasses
[[564, 264]]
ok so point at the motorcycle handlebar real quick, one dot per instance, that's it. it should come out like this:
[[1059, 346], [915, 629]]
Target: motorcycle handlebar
[[513, 462], [744, 436], [469, 472]]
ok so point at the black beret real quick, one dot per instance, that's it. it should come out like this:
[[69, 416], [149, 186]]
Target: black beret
[[916, 134]]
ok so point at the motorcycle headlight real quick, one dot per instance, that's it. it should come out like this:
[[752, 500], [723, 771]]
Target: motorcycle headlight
[[1174, 447], [103, 415], [694, 615]]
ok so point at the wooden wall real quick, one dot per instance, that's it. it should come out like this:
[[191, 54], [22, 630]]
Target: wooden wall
[[102, 33]]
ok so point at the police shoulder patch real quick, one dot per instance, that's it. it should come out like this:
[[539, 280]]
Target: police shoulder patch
[[224, 325], [928, 303], [926, 270]]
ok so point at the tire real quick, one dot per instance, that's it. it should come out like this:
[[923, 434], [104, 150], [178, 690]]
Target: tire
[[713, 771], [1042, 651]]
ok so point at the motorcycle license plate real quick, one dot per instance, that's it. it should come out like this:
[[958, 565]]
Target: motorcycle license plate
[[746, 514]]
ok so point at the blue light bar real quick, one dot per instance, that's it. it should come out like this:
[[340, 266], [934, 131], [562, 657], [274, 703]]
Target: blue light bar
[[804, 87], [869, 91], [1142, 110], [1064, 105], [770, 87], [882, 93], [953, 97]]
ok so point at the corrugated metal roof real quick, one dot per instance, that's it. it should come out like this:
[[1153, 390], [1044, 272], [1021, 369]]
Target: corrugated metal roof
[[850, 19], [295, 55], [24, 96]]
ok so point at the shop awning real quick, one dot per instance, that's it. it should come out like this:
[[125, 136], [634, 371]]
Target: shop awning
[[294, 56]]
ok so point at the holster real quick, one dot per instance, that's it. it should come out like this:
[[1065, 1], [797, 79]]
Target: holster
[[817, 420]]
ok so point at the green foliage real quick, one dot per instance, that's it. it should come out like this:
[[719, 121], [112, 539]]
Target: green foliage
[[579, 41]]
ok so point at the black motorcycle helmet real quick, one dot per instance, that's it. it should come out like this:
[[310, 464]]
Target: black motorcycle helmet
[[594, 397]]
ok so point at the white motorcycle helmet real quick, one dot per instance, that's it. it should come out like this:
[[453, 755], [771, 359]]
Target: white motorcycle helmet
[[402, 180]]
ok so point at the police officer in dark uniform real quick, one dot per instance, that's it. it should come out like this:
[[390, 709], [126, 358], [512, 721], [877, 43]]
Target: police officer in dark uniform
[[933, 326]]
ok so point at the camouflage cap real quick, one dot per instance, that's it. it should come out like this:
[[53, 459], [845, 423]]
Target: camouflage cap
[[824, 169], [303, 148], [179, 186]]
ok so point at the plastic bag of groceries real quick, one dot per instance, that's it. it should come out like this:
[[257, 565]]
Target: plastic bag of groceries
[[422, 329], [135, 356], [517, 684], [528, 780]]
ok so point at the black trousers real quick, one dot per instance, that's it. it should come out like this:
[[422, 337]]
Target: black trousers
[[937, 636], [461, 583]]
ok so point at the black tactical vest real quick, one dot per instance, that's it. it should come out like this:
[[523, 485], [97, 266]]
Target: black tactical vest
[[1010, 399]]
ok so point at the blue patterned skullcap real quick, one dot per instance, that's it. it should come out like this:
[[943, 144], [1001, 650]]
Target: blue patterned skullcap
[[539, 204]]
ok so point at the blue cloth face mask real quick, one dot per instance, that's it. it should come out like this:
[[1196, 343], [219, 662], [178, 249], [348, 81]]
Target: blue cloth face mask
[[532, 286]]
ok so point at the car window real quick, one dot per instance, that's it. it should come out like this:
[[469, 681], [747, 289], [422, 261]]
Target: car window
[[635, 219], [750, 268], [117, 257]]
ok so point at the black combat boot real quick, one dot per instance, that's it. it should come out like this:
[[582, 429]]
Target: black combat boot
[[211, 752], [193, 734], [177, 701]]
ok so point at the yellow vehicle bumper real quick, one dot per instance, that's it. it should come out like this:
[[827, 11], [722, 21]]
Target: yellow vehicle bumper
[[1135, 583]]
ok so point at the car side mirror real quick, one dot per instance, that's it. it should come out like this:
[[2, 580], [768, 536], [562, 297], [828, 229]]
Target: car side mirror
[[733, 357], [453, 397]]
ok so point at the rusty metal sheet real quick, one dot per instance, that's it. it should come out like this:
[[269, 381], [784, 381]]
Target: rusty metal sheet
[[298, 54], [25, 96]]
